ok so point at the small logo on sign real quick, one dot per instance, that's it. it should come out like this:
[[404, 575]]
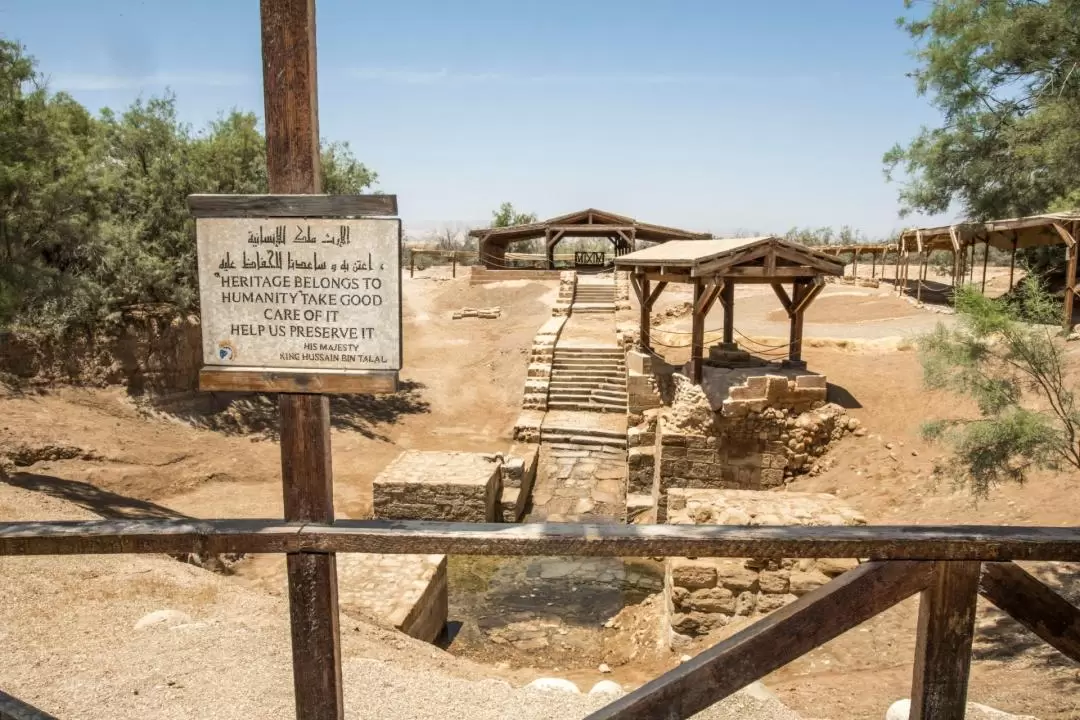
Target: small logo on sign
[[225, 350]]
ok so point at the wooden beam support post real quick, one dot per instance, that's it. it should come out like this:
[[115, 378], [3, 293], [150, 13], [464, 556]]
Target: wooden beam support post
[[412, 261], [644, 319], [795, 312], [986, 260], [697, 332], [292, 162], [922, 273], [943, 647], [1070, 287], [727, 298], [1012, 258]]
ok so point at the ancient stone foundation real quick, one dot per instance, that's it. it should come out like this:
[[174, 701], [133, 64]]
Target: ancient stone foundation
[[704, 594], [752, 433], [541, 359], [452, 486], [518, 475], [408, 592]]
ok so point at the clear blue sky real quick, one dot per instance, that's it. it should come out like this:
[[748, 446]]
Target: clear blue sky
[[707, 114]]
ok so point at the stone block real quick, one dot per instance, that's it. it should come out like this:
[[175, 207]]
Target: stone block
[[690, 574], [711, 600], [459, 487], [736, 577], [774, 582], [769, 603], [835, 566], [801, 583]]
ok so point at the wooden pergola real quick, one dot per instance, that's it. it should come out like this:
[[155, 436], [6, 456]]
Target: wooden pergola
[[714, 267], [1007, 235], [623, 232]]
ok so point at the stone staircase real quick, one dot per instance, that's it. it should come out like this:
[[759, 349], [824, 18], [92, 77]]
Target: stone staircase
[[594, 297], [588, 378]]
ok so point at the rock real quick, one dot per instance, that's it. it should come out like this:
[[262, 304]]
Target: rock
[[835, 566], [804, 582], [693, 576], [604, 668], [553, 685], [606, 688], [860, 432], [685, 658], [901, 709], [890, 445], [773, 582], [162, 617]]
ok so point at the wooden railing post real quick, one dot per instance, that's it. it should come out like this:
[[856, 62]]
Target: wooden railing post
[[943, 647]]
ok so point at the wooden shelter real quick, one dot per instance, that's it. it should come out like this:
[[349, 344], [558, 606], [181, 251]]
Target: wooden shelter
[[714, 267], [623, 232], [873, 250], [1007, 235]]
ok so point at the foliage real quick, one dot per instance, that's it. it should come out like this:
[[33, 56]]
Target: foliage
[[507, 215], [93, 211], [1029, 416], [1005, 75], [846, 235]]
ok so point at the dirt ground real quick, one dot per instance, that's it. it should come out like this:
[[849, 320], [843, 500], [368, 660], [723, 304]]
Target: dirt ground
[[107, 456]]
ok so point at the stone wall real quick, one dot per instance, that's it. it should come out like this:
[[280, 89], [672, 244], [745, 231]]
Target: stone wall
[[705, 594], [567, 286], [767, 429], [451, 486], [541, 358], [408, 592], [518, 475]]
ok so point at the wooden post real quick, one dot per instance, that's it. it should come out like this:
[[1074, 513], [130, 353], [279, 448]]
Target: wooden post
[[798, 292], [1012, 259], [697, 333], [873, 265], [971, 278], [727, 299], [922, 274], [1070, 286], [643, 318], [292, 162], [855, 267], [943, 647], [412, 257], [453, 264], [986, 259]]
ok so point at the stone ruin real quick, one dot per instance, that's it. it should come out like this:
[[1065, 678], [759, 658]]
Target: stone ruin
[[703, 594]]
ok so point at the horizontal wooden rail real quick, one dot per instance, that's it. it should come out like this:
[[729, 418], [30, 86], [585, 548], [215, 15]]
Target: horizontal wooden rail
[[883, 542]]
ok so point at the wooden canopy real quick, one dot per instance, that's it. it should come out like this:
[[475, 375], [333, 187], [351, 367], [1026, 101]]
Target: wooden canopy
[[857, 249], [1008, 235], [714, 267], [624, 233]]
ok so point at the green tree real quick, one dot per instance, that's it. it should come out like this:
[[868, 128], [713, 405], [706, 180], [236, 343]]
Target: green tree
[[1015, 371], [1005, 75], [507, 215]]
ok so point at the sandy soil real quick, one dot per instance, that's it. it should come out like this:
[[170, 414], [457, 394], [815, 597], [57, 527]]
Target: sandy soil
[[99, 452]]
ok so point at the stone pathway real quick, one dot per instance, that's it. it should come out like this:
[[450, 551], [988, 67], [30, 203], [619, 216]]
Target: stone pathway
[[579, 483]]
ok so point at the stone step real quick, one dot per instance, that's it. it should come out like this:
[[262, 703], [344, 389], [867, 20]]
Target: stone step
[[571, 386], [588, 368], [591, 349], [591, 378], [585, 432], [619, 395], [615, 355], [585, 440], [572, 359], [585, 406]]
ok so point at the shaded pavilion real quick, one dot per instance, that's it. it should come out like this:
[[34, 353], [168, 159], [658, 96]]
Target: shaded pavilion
[[1007, 235], [714, 267], [624, 233], [871, 249]]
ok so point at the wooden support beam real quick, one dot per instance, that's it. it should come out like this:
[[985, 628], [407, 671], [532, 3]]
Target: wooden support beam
[[781, 293], [636, 279], [697, 333], [873, 265], [798, 293], [1012, 258], [644, 317], [780, 272], [712, 292], [727, 297], [808, 297], [1033, 605], [855, 266], [1070, 287], [772, 642], [922, 271], [290, 91], [943, 647], [655, 294]]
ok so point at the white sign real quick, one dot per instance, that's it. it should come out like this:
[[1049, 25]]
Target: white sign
[[312, 294]]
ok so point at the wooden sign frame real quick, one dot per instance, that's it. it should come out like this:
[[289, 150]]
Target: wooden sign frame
[[309, 207]]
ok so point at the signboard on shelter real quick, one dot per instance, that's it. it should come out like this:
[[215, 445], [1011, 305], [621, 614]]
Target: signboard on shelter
[[299, 295]]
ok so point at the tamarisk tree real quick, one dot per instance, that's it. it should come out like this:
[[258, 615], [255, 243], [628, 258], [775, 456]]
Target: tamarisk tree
[[1008, 357]]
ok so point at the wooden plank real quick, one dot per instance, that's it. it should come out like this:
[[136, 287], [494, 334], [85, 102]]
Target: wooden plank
[[655, 294], [943, 648], [798, 296], [770, 643], [303, 206], [826, 266], [811, 292], [956, 542], [666, 277], [1034, 605], [728, 300], [358, 382], [290, 90], [12, 708], [783, 271], [711, 293], [644, 306], [697, 332]]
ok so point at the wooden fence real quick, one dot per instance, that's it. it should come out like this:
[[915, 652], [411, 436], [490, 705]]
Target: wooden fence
[[949, 565]]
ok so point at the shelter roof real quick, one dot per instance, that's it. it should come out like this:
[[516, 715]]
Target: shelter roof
[[1030, 231], [725, 256], [587, 223]]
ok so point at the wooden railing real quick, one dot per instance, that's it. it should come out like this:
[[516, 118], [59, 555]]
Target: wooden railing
[[949, 565], [589, 258]]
